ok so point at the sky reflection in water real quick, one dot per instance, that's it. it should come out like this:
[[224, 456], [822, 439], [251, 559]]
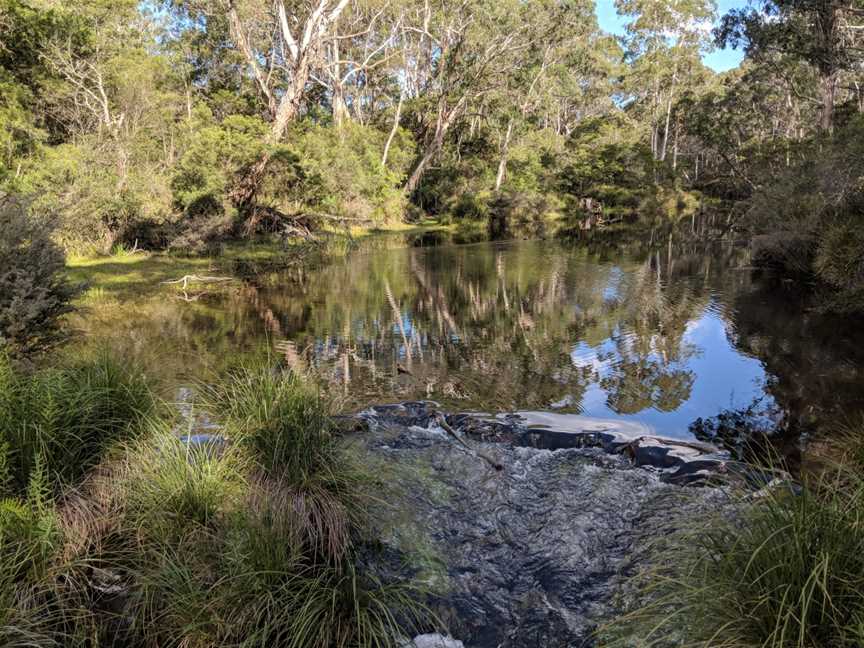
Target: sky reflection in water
[[658, 339]]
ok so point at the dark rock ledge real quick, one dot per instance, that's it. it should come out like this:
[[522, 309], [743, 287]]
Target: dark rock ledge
[[532, 554]]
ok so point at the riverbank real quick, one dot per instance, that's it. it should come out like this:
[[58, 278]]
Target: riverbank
[[128, 273], [521, 530]]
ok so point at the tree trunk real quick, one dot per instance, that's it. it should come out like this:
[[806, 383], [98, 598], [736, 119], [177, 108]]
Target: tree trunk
[[502, 164], [393, 130], [675, 148], [340, 107], [420, 169], [244, 192], [668, 117], [828, 95], [445, 121]]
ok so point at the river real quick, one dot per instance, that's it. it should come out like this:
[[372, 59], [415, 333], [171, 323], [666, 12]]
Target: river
[[657, 339]]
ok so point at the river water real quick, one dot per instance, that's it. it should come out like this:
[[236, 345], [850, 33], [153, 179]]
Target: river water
[[657, 338]]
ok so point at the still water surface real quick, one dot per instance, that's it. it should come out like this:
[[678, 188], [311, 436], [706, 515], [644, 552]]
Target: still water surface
[[657, 338]]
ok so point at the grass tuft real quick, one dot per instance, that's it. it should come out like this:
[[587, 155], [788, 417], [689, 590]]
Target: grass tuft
[[252, 539], [67, 416], [306, 477], [784, 569]]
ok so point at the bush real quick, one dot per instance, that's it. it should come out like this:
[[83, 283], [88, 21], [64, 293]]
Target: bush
[[101, 195], [789, 251], [67, 417], [839, 262], [321, 172], [176, 540], [282, 420], [30, 536], [34, 292], [345, 163]]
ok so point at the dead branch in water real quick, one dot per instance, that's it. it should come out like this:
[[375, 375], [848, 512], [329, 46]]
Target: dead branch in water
[[449, 430], [187, 278]]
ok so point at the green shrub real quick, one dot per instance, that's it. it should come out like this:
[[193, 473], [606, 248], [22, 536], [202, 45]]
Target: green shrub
[[472, 206], [213, 157], [338, 608], [839, 262], [254, 538], [100, 195], [34, 291], [321, 173], [343, 165], [279, 417], [67, 416], [789, 251]]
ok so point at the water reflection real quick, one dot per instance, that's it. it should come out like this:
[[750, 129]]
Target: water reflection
[[658, 338]]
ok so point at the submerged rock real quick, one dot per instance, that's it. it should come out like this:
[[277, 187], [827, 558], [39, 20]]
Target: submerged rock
[[531, 555]]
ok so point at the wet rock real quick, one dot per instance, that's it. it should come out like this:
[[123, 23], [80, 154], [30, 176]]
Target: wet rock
[[433, 641], [530, 556]]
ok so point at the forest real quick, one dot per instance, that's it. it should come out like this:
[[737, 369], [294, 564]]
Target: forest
[[334, 323], [178, 125]]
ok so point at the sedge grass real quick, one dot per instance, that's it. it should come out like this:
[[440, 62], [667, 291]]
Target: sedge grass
[[67, 416], [256, 541], [782, 570], [285, 425]]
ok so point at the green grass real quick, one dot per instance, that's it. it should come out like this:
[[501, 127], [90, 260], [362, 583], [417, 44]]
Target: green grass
[[782, 570], [67, 416], [255, 542], [125, 275], [171, 488], [285, 425]]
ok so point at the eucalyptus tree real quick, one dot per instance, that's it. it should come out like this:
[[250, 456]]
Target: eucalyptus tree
[[665, 39], [459, 53], [561, 34], [827, 34]]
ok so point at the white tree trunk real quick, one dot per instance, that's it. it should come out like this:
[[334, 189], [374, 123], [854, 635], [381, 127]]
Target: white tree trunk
[[393, 130]]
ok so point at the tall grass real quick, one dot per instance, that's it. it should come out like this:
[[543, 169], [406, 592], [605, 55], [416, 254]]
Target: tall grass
[[170, 487], [280, 417], [254, 541], [782, 570], [285, 425], [67, 416]]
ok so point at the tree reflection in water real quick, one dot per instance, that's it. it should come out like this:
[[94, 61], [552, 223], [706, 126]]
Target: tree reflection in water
[[501, 326]]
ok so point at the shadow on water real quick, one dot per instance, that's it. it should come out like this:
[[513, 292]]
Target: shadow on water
[[607, 330]]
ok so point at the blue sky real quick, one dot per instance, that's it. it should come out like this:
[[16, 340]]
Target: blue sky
[[719, 60]]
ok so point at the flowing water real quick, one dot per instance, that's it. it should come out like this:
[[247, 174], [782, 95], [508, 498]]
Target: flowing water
[[661, 339]]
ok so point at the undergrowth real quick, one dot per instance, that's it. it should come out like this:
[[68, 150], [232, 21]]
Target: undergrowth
[[121, 529], [781, 568]]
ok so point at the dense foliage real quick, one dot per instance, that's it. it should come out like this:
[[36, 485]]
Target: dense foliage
[[180, 123], [779, 568], [118, 529]]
